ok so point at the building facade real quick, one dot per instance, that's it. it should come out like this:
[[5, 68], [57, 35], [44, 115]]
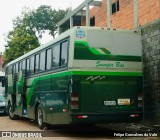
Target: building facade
[[123, 15]]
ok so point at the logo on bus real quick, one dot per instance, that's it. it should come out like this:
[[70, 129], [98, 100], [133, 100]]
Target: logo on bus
[[80, 33], [110, 64]]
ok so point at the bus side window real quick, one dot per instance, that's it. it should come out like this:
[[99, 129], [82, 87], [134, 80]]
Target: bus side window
[[48, 59], [16, 68], [9, 70], [13, 69], [36, 67], [64, 52], [42, 61], [32, 65], [19, 66], [23, 66], [56, 56], [27, 66]]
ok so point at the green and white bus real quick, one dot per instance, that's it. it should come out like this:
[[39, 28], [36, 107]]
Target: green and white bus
[[86, 75]]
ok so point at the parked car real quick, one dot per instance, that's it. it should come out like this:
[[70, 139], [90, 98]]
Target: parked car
[[3, 105]]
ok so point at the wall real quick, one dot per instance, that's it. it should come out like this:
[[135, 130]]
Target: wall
[[100, 14], [148, 10], [151, 68], [124, 17]]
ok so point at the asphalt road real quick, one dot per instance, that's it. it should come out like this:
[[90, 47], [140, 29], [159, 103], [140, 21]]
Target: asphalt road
[[27, 128]]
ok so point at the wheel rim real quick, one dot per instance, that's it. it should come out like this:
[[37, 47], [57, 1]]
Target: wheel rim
[[40, 117], [11, 112]]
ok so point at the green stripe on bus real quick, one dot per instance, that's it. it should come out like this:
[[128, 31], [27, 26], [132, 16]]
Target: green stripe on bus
[[94, 51], [107, 73], [29, 95], [81, 43], [74, 72], [83, 51], [105, 50]]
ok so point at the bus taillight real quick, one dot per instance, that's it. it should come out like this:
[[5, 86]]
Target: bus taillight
[[74, 101], [134, 115], [82, 117]]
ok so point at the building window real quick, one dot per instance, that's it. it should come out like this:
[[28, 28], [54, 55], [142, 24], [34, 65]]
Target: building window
[[42, 61], [64, 52], [48, 59], [115, 6], [56, 55], [92, 21]]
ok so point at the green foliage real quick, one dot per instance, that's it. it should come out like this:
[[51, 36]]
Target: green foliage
[[29, 27], [20, 41]]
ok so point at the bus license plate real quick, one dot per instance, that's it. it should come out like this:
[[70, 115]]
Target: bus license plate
[[109, 103], [123, 101]]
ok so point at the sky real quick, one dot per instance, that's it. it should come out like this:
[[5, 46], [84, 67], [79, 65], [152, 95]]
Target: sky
[[10, 9]]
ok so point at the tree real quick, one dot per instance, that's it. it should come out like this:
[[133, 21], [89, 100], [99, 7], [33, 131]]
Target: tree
[[44, 18], [41, 19], [20, 41], [28, 29]]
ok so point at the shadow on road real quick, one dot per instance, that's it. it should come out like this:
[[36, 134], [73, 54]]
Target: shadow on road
[[79, 131], [91, 131]]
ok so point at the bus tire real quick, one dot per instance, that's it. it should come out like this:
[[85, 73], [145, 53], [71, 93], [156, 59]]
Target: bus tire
[[39, 117], [11, 115]]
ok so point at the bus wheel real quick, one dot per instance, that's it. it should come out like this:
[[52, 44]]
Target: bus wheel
[[12, 116], [41, 124]]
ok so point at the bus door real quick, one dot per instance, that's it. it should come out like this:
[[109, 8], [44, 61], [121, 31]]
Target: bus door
[[11, 78]]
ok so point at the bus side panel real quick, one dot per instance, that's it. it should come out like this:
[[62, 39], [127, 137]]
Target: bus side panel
[[52, 93], [59, 100], [36, 94]]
